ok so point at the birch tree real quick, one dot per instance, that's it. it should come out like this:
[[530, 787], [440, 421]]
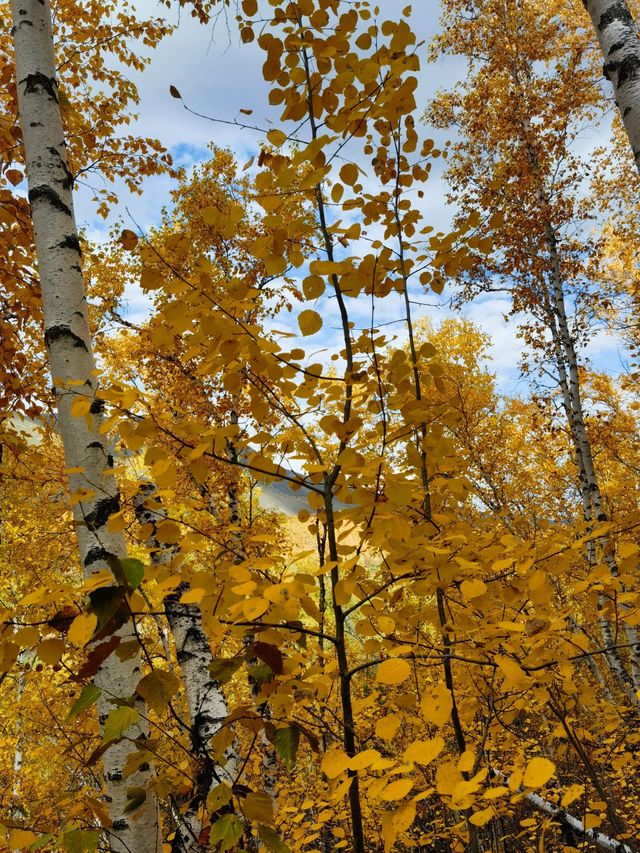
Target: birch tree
[[73, 370], [617, 34], [538, 256]]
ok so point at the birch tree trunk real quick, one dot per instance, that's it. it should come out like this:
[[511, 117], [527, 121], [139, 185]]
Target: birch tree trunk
[[569, 378], [68, 342], [205, 700], [618, 38], [269, 761], [569, 822]]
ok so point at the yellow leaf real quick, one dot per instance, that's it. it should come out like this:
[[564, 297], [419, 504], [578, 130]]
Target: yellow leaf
[[627, 549], [387, 726], [363, 759], [258, 807], [218, 797], [275, 264], [473, 589], [573, 793], [436, 705], [514, 675], [80, 406], [19, 839], [50, 651], [310, 322], [192, 596], [277, 137], [538, 772], [424, 751], [495, 793], [313, 286], [349, 173], [128, 240], [82, 628], [334, 762], [396, 790], [467, 761], [254, 608], [325, 268], [393, 671], [211, 215], [26, 637], [394, 823], [482, 817]]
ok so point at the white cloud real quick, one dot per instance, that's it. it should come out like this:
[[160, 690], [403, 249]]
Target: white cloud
[[217, 76]]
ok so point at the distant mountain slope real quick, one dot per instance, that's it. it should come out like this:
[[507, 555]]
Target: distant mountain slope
[[279, 497]]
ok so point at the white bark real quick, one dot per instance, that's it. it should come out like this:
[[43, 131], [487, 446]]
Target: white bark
[[618, 38], [563, 818], [68, 341], [205, 700], [569, 378], [593, 508]]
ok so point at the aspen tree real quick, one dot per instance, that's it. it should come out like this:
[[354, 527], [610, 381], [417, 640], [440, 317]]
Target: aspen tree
[[73, 370], [617, 35], [205, 699]]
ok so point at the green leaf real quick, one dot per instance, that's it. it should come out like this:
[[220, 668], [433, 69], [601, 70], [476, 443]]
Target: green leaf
[[135, 798], [261, 673], [80, 841], [272, 840], [226, 831], [88, 696], [47, 838], [133, 571], [110, 606], [118, 721], [222, 669], [218, 797], [286, 744], [157, 688], [128, 572]]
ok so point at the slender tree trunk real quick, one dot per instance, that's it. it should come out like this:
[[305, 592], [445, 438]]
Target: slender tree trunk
[[205, 699], [617, 35], [590, 487], [268, 757], [569, 375], [68, 341], [568, 821]]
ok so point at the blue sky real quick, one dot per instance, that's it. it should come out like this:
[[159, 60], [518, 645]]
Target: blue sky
[[217, 76]]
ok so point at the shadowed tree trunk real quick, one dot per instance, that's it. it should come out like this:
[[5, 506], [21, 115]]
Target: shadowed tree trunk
[[205, 699]]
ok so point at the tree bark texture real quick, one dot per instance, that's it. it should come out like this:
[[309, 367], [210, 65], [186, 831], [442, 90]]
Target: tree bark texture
[[68, 342], [618, 39], [205, 700]]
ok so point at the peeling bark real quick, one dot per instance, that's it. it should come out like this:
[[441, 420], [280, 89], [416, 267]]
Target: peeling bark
[[68, 342]]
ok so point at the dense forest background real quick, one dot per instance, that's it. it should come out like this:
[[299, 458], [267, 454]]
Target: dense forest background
[[319, 474]]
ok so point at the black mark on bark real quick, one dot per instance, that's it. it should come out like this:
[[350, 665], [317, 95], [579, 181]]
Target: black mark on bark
[[101, 512], [71, 242], [58, 333], [33, 82], [50, 195]]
